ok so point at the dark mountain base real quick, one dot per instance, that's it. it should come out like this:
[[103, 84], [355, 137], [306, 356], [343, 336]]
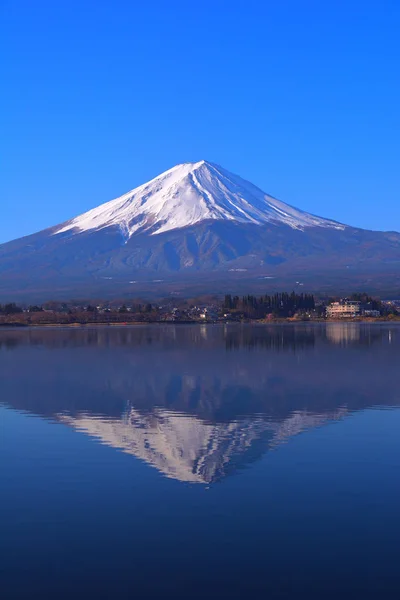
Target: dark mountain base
[[212, 257]]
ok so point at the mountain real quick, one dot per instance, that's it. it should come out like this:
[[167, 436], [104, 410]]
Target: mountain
[[196, 228]]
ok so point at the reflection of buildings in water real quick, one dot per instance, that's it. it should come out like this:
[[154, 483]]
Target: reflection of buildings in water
[[203, 331], [276, 337], [343, 333], [189, 449]]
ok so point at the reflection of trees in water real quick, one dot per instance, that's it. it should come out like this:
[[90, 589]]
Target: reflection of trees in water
[[75, 338], [199, 377], [275, 338], [233, 337], [8, 342], [199, 402]]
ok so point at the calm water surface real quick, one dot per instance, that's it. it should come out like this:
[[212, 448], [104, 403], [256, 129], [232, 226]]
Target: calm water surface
[[200, 462]]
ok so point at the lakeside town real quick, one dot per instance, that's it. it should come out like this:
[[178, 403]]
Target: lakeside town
[[277, 307]]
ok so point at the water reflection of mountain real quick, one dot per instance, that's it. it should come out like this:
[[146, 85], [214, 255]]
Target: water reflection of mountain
[[189, 449], [199, 402]]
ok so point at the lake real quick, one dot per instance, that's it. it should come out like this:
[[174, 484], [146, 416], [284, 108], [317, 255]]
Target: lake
[[206, 461]]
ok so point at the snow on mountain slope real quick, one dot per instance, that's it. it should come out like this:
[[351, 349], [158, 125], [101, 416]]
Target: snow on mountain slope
[[188, 194]]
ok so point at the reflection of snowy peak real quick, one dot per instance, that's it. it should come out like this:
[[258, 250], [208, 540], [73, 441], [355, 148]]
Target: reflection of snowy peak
[[188, 194], [199, 403], [188, 449]]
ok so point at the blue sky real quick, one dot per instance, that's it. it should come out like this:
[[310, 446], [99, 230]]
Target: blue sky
[[301, 98]]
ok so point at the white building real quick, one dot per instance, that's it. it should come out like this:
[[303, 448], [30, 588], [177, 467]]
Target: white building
[[344, 309]]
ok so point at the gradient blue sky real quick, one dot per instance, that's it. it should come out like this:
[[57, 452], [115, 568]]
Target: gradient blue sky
[[301, 98]]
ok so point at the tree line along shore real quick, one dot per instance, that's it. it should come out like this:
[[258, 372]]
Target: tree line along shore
[[276, 307]]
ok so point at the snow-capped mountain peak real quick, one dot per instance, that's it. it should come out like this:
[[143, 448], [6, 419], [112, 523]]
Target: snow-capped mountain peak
[[187, 194]]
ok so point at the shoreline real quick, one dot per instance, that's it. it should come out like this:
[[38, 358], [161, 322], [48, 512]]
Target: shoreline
[[18, 325]]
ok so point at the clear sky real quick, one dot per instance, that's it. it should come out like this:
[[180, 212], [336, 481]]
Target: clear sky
[[301, 98]]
